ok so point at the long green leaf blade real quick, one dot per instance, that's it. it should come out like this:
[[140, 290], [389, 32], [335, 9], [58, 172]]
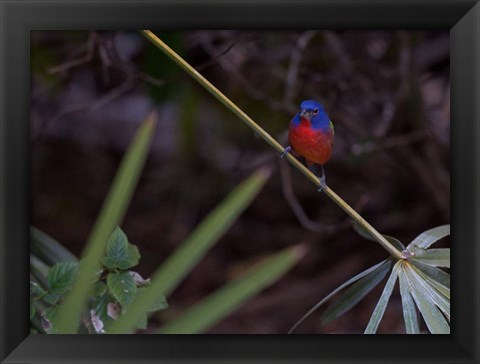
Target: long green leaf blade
[[219, 304], [435, 321], [408, 306], [383, 301], [434, 283], [110, 216], [39, 270], [355, 293], [182, 261], [44, 246], [430, 292], [338, 289], [427, 238], [434, 257], [435, 273]]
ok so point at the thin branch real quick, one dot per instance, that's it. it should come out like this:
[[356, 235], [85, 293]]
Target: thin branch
[[270, 140], [216, 57], [78, 61], [250, 89], [73, 109], [296, 207], [291, 81]]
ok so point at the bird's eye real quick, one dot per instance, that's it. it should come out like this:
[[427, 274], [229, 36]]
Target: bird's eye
[[315, 111]]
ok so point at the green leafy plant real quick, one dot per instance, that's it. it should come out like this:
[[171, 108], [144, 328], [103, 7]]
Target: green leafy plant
[[115, 287], [118, 287], [429, 287]]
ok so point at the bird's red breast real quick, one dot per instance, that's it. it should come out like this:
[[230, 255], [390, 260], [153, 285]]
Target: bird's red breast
[[315, 145]]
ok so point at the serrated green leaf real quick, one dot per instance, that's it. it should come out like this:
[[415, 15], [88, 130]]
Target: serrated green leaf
[[355, 293], [120, 254], [338, 289], [133, 257], [110, 216], [364, 233], [191, 251], [117, 245], [122, 287], [434, 257], [427, 238], [383, 301], [408, 306], [133, 254], [219, 304], [61, 276], [436, 322]]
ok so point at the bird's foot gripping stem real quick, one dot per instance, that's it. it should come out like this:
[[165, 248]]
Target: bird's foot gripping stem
[[323, 180], [286, 151], [323, 184]]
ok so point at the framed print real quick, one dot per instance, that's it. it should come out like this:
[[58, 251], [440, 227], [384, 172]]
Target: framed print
[[231, 171]]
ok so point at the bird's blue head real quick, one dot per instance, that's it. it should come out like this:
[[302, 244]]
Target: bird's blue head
[[314, 112]]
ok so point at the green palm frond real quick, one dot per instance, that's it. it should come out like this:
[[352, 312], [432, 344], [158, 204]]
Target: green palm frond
[[422, 285]]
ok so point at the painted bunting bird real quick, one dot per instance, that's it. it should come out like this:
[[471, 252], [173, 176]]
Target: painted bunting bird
[[310, 135]]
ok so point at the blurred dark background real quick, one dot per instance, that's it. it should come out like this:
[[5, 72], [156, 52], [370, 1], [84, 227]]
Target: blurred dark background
[[387, 92]]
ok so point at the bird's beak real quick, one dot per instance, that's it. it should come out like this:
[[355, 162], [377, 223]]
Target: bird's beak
[[305, 113]]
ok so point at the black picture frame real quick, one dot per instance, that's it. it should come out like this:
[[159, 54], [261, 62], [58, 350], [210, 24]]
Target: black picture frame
[[18, 17]]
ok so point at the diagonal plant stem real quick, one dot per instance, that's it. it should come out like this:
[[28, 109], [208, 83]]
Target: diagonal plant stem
[[270, 140]]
